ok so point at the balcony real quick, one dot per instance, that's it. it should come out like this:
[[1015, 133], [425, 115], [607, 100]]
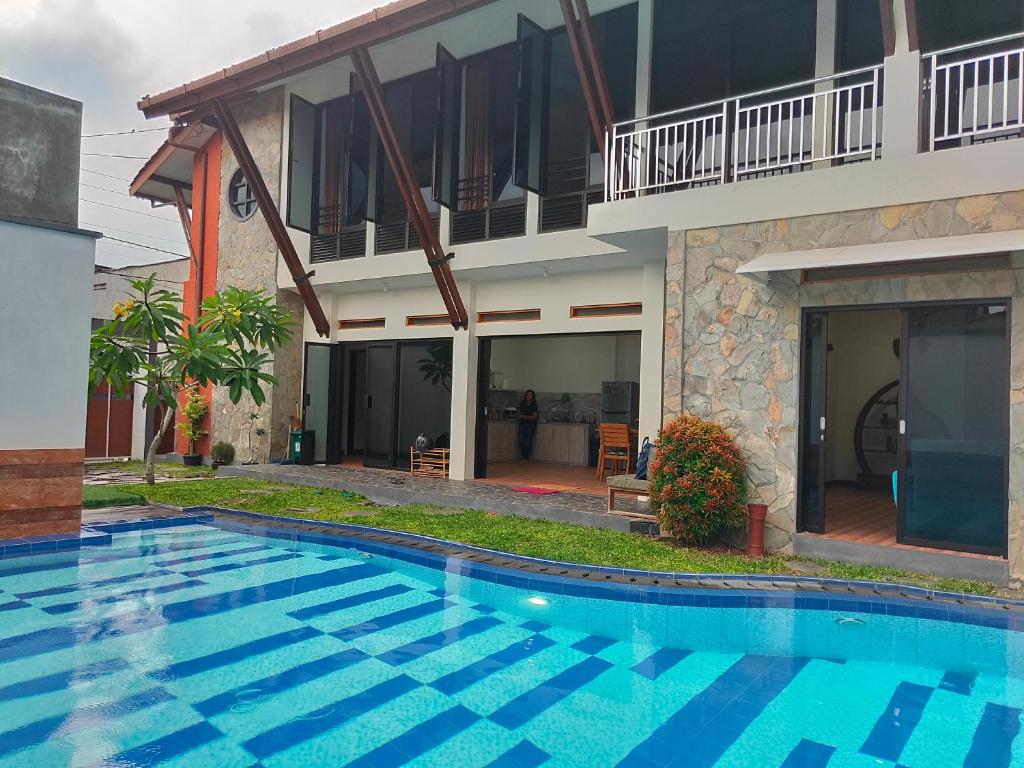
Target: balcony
[[972, 94], [975, 93], [825, 121]]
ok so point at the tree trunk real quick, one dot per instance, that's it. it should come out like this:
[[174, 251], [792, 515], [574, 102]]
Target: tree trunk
[[151, 453]]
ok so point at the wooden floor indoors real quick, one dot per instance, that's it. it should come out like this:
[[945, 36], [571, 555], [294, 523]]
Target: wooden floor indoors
[[868, 517]]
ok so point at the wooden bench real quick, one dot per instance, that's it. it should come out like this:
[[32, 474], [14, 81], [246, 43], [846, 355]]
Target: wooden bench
[[628, 485]]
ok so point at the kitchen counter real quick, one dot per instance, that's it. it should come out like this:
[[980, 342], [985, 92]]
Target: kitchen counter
[[556, 442]]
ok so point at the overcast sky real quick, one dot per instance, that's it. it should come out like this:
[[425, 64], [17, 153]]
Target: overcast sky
[[108, 53]]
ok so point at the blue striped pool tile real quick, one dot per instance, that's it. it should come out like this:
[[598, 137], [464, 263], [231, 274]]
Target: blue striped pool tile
[[437, 641], [461, 679], [593, 644], [170, 746], [418, 740], [483, 608], [39, 731], [244, 564], [329, 717], [660, 662], [234, 654], [535, 626], [60, 608], [282, 681], [84, 586], [809, 754], [894, 728], [708, 723], [14, 605], [210, 556], [59, 681], [344, 603], [527, 706], [522, 755], [389, 620], [958, 682], [993, 739]]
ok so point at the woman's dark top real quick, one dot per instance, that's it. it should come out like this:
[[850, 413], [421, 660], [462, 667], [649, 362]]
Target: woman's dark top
[[527, 409]]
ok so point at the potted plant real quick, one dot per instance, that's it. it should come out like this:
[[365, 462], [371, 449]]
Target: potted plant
[[222, 453], [192, 415]]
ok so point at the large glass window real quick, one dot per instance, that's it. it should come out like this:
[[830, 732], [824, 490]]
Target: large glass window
[[704, 51], [858, 35], [412, 106], [945, 23], [342, 163]]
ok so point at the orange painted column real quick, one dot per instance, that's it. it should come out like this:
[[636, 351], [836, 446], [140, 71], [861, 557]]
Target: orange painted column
[[203, 271]]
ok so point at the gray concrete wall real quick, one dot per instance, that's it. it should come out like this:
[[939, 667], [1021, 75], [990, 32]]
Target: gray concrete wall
[[112, 286], [39, 154]]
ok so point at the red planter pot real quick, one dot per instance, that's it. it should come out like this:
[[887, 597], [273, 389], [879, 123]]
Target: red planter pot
[[755, 531]]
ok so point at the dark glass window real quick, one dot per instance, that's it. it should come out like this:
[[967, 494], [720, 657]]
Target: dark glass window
[[343, 153], [706, 51], [412, 105], [486, 157], [945, 23], [241, 200], [573, 158], [858, 35]]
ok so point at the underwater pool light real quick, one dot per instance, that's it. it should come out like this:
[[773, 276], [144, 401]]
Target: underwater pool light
[[536, 600]]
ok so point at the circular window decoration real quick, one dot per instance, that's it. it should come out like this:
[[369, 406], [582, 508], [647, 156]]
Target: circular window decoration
[[241, 200]]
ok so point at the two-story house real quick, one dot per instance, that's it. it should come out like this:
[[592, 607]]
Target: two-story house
[[802, 219]]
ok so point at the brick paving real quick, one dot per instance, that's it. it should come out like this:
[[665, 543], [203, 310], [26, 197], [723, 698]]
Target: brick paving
[[396, 487]]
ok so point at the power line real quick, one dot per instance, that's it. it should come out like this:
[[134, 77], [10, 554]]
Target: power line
[[128, 210], [121, 133], [121, 157], [176, 241], [148, 247], [109, 176], [104, 189]]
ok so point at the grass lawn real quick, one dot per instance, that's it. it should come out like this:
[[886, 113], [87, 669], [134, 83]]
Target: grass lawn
[[536, 538], [165, 468], [98, 496]]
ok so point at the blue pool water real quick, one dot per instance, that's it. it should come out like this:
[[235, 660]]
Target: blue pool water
[[210, 646]]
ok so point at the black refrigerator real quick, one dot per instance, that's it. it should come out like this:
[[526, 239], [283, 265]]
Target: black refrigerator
[[620, 402]]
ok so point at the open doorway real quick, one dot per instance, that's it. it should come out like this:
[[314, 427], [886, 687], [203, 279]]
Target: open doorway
[[904, 432], [579, 380]]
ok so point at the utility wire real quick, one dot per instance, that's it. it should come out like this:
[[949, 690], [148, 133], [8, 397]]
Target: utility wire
[[104, 189], [176, 241], [122, 157], [128, 210], [109, 176], [122, 133], [148, 247]]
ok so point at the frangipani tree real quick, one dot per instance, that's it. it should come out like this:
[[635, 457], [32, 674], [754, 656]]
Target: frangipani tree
[[150, 343]]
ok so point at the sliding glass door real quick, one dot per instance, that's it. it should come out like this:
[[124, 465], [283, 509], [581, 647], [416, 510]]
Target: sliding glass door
[[381, 401], [812, 431], [954, 441]]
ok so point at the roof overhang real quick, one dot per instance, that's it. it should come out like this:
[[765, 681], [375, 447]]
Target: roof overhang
[[887, 253], [171, 165], [394, 19]]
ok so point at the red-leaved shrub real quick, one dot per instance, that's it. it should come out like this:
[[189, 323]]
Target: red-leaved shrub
[[698, 482]]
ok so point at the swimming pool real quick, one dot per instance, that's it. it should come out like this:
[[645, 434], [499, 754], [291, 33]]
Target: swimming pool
[[218, 645]]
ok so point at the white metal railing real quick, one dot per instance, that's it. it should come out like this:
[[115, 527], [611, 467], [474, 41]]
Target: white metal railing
[[829, 118], [976, 91]]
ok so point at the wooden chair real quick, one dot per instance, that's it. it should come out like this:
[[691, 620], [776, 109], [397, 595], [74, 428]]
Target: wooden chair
[[615, 449]]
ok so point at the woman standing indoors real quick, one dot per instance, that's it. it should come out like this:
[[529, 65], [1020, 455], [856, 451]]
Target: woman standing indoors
[[527, 423]]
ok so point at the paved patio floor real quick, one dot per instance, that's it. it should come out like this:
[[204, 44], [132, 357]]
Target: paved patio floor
[[396, 487]]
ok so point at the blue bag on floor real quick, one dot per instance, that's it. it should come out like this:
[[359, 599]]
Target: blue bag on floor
[[642, 460]]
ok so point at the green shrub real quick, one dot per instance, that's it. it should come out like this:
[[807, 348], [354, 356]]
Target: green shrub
[[222, 452], [698, 480]]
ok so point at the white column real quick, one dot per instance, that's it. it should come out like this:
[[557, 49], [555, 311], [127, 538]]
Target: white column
[[532, 213], [139, 414], [644, 50], [464, 376], [825, 65], [901, 123], [651, 348]]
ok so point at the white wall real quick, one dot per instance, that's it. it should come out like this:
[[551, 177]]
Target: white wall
[[111, 287], [45, 307]]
